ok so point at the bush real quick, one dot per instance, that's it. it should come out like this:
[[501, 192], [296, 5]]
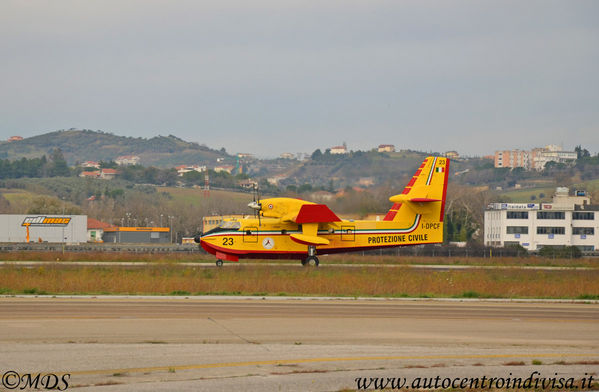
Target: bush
[[563, 252], [518, 249]]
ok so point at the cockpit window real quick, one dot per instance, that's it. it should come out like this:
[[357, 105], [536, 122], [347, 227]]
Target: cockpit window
[[225, 226]]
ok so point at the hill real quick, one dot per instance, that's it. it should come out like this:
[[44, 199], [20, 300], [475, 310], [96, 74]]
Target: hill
[[357, 168], [84, 145]]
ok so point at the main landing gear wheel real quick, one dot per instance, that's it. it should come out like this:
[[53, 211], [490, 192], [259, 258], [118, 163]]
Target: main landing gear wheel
[[219, 263], [310, 260]]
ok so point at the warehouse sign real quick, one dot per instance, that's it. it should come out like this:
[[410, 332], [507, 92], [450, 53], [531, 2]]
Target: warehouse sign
[[46, 221], [513, 206]]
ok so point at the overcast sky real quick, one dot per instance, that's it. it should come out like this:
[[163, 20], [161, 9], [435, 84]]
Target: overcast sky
[[267, 77]]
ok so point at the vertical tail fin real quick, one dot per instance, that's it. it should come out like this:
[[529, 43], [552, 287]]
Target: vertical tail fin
[[425, 193]]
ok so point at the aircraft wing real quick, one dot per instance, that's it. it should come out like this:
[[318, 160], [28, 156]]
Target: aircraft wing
[[315, 213], [309, 216]]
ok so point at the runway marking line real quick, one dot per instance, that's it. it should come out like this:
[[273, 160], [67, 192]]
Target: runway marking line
[[313, 360]]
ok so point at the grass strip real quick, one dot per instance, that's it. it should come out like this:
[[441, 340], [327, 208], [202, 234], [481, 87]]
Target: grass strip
[[167, 279]]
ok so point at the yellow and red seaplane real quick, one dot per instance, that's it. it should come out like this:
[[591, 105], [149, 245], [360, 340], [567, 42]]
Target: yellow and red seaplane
[[293, 228]]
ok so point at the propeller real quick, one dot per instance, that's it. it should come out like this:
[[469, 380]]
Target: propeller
[[260, 204], [256, 205]]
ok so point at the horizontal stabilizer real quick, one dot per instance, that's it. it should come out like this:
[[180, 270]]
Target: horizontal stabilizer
[[309, 239], [420, 205], [316, 213], [406, 198]]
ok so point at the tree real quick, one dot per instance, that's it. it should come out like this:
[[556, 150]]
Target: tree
[[193, 178], [581, 152], [51, 205], [59, 167], [317, 154], [4, 205], [108, 165]]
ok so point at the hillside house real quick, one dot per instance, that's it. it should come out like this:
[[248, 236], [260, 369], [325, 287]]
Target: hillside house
[[108, 174], [90, 174], [386, 148], [225, 168], [126, 160], [339, 150], [182, 169], [90, 165]]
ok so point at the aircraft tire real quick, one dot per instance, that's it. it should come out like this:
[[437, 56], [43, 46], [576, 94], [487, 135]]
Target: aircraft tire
[[219, 263], [310, 260]]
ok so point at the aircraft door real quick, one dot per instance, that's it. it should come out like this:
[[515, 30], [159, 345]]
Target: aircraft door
[[250, 234], [348, 233]]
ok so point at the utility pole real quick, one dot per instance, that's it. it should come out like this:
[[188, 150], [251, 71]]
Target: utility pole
[[206, 184], [64, 239]]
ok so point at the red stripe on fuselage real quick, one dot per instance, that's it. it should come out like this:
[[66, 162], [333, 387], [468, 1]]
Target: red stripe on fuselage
[[255, 254]]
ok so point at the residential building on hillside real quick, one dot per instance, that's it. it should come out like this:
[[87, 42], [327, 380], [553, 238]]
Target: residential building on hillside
[[386, 148], [570, 220], [15, 138], [108, 174], [125, 160], [287, 155], [513, 159], [248, 184], [535, 159], [339, 150], [182, 169], [89, 174], [452, 155], [551, 153], [91, 164], [225, 168], [366, 181]]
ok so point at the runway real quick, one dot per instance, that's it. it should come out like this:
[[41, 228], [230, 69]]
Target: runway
[[263, 344], [189, 308]]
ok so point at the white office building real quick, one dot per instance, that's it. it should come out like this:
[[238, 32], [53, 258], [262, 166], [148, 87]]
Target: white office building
[[567, 221]]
